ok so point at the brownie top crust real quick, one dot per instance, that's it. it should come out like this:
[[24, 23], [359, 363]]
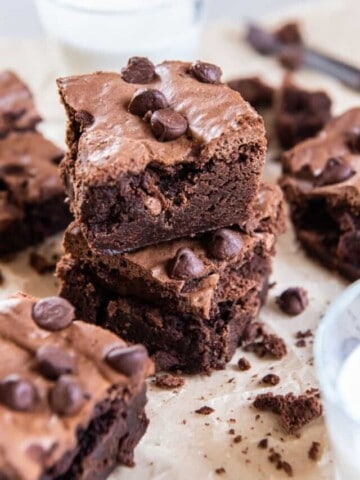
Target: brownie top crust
[[17, 109], [328, 164], [53, 373], [111, 140], [190, 269]]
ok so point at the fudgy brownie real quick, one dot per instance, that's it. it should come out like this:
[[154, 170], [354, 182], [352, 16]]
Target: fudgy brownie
[[72, 395], [321, 181], [32, 199], [189, 299], [158, 153], [299, 114], [17, 109]]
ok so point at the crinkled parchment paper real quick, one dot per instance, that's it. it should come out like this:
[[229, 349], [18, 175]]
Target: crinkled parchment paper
[[181, 444]]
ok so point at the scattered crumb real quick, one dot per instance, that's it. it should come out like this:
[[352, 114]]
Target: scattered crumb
[[304, 334], [244, 364], [231, 380], [205, 410], [168, 381], [237, 439], [42, 264], [269, 344], [294, 411], [300, 343], [263, 443], [280, 464], [231, 431], [271, 379], [220, 471], [314, 451]]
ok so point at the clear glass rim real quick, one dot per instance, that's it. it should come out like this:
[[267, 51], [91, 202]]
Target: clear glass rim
[[114, 10], [329, 320]]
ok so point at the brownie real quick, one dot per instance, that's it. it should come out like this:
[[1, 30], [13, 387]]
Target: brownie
[[153, 157], [32, 199], [299, 114], [321, 181], [254, 90], [72, 395], [188, 300], [17, 109]]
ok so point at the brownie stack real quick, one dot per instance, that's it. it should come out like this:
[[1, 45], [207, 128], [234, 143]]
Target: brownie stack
[[174, 233]]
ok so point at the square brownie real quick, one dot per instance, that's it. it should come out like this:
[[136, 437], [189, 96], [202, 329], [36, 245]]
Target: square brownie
[[157, 153], [321, 181], [32, 199], [299, 113], [188, 300], [72, 395], [17, 108]]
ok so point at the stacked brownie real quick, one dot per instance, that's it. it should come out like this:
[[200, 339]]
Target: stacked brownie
[[174, 233], [32, 199]]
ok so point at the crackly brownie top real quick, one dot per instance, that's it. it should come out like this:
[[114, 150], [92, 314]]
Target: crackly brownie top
[[28, 169], [17, 109], [328, 164], [146, 113], [53, 373], [192, 267]]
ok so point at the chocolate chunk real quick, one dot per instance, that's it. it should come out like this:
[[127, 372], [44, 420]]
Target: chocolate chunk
[[225, 244], [54, 362], [138, 70], [206, 72], [168, 381], [271, 379], [84, 118], [127, 360], [348, 248], [293, 301], [244, 364], [205, 410], [168, 125], [263, 444], [67, 396], [353, 140], [186, 265], [18, 394], [147, 101], [335, 171], [53, 313]]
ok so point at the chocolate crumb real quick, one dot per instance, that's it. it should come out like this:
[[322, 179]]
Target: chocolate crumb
[[268, 345], [300, 343], [205, 410], [287, 468], [293, 301], [271, 379], [168, 381], [220, 471], [263, 443], [304, 334], [231, 431], [41, 264], [314, 451], [244, 364], [237, 439]]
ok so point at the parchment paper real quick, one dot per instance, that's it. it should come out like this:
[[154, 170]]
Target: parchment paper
[[180, 444]]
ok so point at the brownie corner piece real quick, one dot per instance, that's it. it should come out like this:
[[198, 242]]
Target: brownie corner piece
[[158, 159], [321, 181], [17, 108], [72, 395]]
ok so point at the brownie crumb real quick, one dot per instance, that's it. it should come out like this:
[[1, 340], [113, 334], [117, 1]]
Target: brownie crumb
[[231, 431], [268, 345], [300, 343], [244, 364], [41, 264], [237, 439], [271, 379], [205, 410], [263, 444], [293, 301], [314, 451], [168, 381], [220, 471], [280, 464], [294, 411], [304, 334]]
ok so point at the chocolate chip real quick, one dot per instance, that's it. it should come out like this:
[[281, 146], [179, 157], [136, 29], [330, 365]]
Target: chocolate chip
[[167, 124], [67, 396], [206, 72], [353, 140], [84, 118], [138, 70], [127, 360], [225, 244], [54, 362], [53, 313], [293, 301], [335, 171], [147, 101], [244, 364], [348, 248], [186, 265], [18, 394]]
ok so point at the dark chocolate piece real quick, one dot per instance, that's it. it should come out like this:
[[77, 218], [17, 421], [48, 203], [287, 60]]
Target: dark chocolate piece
[[53, 313], [138, 70], [145, 101], [206, 72], [293, 301], [52, 362], [168, 124]]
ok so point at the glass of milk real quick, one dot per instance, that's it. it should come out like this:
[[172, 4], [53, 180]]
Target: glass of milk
[[337, 358], [103, 34]]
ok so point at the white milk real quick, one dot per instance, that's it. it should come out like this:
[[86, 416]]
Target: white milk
[[103, 34]]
